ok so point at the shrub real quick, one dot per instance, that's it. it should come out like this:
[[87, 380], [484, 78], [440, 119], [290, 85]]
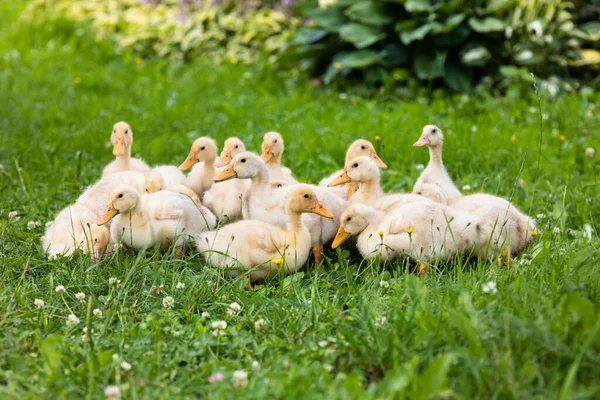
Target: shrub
[[455, 42]]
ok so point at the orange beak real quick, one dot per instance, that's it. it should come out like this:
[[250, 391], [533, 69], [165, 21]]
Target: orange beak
[[225, 158], [322, 211], [225, 174], [340, 237], [109, 214], [343, 178], [266, 154], [377, 160], [189, 161], [119, 147], [423, 141], [352, 188]]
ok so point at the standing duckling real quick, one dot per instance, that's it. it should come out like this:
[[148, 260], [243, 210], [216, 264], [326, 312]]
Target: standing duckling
[[434, 179], [157, 219], [260, 247], [122, 140], [272, 150], [200, 178]]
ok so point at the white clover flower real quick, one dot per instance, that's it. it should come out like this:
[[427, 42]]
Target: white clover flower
[[116, 357], [39, 303], [328, 367], [180, 286], [72, 320], [589, 152], [419, 167], [84, 336], [384, 284], [474, 128], [215, 378], [80, 296], [13, 216], [380, 321], [113, 281], [125, 365], [234, 309], [60, 289], [259, 325], [556, 230], [177, 333], [205, 315], [219, 328], [541, 216], [97, 312], [112, 392], [255, 365], [524, 55], [323, 343], [33, 225], [2, 168], [466, 187], [168, 302], [240, 378], [536, 28], [489, 287]]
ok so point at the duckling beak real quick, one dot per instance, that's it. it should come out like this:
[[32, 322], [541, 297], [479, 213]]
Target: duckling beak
[[340, 237], [119, 147], [225, 174], [189, 161], [267, 154], [352, 188], [225, 158], [322, 211], [343, 178], [378, 160], [423, 141], [109, 214]]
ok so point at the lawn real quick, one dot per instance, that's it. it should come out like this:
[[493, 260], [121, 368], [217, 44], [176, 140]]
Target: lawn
[[334, 332]]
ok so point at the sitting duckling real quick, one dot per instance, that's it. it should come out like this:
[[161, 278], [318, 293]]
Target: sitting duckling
[[434, 176], [272, 150], [423, 231], [75, 228], [358, 148], [262, 248], [122, 139], [200, 178], [157, 219]]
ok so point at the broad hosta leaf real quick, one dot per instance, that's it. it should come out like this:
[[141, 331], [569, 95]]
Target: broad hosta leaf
[[408, 37], [458, 77], [375, 75], [450, 6], [307, 35], [452, 22], [485, 25], [360, 35], [418, 5], [593, 30], [429, 66], [528, 57], [335, 68], [475, 56], [330, 18], [494, 6], [369, 12], [394, 55], [588, 57], [360, 59]]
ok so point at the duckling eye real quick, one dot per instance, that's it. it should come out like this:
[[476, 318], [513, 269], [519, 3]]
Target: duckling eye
[[279, 185], [115, 131], [237, 146], [355, 165], [363, 147], [243, 160], [306, 196], [275, 141], [349, 219], [202, 148], [434, 130], [126, 131], [96, 240], [120, 195]]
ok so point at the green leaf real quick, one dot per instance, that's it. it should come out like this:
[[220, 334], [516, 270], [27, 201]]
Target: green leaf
[[329, 18], [493, 6], [457, 77], [360, 59], [394, 55], [428, 66], [452, 22], [369, 12], [593, 30], [50, 350], [335, 68], [433, 380], [360, 35], [307, 35], [418, 6], [475, 56], [510, 71], [485, 25], [408, 37]]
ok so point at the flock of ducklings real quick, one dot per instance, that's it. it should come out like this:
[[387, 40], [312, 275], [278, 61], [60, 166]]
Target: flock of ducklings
[[279, 221]]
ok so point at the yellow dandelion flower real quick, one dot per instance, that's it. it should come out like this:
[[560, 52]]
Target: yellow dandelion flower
[[380, 233], [377, 139], [533, 233], [499, 260], [410, 230], [277, 261], [137, 60], [562, 138], [234, 60], [78, 80], [337, 65], [513, 138]]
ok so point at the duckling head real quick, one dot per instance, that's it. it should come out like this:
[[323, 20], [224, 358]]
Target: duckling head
[[121, 200], [231, 148], [243, 166], [121, 138], [302, 199], [279, 184], [432, 192], [154, 182], [363, 147], [96, 239], [272, 146], [431, 136], [354, 220], [203, 149], [361, 169]]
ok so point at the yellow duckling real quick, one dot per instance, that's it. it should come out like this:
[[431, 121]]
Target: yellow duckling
[[122, 139], [200, 178], [272, 149], [262, 248]]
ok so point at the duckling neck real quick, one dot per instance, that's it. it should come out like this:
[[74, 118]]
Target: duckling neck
[[294, 227], [262, 179], [435, 155], [275, 160], [209, 172], [123, 160], [368, 191]]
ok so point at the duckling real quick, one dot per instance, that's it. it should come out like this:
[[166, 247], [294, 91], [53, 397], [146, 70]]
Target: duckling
[[279, 184], [200, 178], [96, 195], [262, 248], [364, 172], [122, 139], [503, 225], [435, 174], [423, 231], [74, 228], [168, 177], [225, 199], [358, 148], [272, 150], [158, 219]]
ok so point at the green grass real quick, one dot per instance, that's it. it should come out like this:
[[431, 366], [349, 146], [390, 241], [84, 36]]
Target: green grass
[[537, 337]]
